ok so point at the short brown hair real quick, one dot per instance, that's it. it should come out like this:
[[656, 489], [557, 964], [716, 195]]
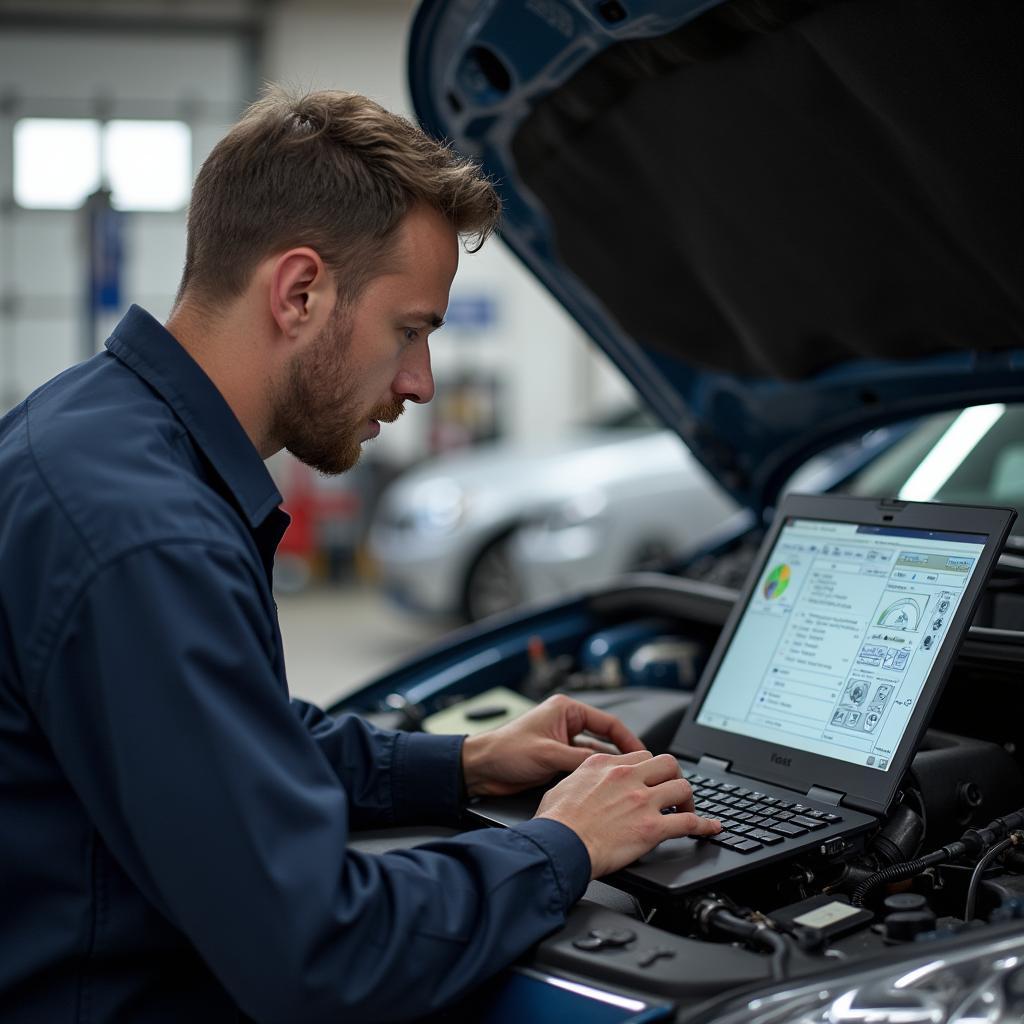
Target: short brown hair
[[331, 170]]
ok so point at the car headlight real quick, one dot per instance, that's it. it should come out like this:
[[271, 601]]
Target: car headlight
[[440, 507], [578, 510], [982, 983]]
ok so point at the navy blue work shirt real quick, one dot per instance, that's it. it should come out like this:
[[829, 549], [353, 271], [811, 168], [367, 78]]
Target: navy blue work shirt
[[174, 828]]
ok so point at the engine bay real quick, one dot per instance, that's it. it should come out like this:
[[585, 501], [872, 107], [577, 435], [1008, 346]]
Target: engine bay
[[945, 862]]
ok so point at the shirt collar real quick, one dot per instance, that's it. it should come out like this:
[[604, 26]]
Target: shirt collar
[[152, 352]]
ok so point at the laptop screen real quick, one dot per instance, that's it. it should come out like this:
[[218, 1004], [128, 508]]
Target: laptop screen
[[833, 649]]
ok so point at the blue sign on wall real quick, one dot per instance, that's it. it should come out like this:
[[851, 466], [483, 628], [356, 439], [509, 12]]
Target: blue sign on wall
[[471, 312]]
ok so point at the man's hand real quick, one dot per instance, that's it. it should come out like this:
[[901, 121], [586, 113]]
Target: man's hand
[[614, 804], [535, 747]]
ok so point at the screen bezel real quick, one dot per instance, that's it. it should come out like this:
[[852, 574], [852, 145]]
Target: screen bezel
[[865, 788]]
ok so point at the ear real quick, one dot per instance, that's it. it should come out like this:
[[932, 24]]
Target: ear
[[302, 292]]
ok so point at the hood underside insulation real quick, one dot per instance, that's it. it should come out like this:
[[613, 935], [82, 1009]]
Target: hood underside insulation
[[779, 187]]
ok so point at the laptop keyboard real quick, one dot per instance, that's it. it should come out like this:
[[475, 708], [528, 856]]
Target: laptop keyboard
[[752, 820]]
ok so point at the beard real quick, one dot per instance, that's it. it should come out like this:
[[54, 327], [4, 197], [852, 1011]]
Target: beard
[[318, 413]]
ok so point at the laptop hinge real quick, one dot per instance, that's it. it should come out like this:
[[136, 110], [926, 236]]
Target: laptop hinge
[[713, 764], [826, 796]]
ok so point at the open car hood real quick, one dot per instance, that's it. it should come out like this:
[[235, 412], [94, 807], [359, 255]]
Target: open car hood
[[786, 221]]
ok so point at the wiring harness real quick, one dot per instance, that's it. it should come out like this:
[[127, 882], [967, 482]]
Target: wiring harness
[[971, 843], [715, 919]]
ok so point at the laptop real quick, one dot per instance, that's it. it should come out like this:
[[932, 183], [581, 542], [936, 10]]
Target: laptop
[[822, 682]]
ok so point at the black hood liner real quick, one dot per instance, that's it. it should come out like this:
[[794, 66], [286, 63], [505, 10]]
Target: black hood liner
[[780, 187]]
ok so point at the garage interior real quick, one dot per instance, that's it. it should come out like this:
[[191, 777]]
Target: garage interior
[[81, 82]]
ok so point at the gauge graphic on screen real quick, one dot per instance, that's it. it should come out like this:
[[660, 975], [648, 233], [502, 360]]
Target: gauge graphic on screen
[[903, 613], [777, 581]]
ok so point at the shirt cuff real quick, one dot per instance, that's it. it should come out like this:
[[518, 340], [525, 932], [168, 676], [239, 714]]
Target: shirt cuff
[[566, 851], [427, 777]]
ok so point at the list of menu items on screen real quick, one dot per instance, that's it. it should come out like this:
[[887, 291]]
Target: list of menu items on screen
[[838, 637]]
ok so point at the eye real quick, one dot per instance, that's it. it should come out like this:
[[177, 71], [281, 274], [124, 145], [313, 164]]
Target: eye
[[411, 333]]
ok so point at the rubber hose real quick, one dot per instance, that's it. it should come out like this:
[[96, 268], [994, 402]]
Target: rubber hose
[[894, 873]]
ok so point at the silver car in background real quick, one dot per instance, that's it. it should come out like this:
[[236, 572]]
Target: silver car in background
[[652, 504], [601, 501]]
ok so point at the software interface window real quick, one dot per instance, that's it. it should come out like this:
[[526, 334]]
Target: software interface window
[[838, 637]]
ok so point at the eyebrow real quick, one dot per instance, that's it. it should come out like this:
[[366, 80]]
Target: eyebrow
[[435, 320]]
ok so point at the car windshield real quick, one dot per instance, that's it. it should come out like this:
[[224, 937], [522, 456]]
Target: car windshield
[[970, 456]]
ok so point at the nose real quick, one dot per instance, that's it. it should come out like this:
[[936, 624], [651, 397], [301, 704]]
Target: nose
[[414, 381]]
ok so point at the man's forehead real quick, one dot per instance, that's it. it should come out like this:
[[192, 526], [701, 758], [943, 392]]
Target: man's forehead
[[426, 233], [418, 272]]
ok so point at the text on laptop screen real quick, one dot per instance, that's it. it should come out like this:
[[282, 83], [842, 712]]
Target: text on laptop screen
[[838, 637]]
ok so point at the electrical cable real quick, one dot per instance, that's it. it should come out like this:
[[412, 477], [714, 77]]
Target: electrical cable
[[780, 951], [973, 841], [716, 920], [979, 870], [896, 872]]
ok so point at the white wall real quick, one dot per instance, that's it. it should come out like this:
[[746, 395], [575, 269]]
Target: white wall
[[549, 375]]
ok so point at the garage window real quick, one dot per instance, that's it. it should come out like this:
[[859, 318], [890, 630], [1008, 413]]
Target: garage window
[[58, 162]]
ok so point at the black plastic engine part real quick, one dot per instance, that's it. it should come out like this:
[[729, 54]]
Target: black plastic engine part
[[907, 915], [684, 968], [962, 782], [900, 836], [832, 916]]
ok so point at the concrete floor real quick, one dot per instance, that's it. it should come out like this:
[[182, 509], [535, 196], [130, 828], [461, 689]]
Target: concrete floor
[[338, 637]]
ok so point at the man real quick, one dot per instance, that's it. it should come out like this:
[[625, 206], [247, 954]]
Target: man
[[174, 828]]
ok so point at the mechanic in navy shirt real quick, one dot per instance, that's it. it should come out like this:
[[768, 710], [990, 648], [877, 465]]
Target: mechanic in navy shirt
[[175, 829]]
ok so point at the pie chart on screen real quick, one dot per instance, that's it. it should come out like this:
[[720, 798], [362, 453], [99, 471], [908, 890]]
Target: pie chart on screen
[[777, 581]]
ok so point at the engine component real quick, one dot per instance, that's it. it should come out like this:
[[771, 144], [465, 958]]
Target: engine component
[[1014, 839], [642, 653], [907, 915], [656, 961], [716, 920], [546, 674], [664, 661], [830, 916], [962, 782], [973, 841], [900, 837]]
